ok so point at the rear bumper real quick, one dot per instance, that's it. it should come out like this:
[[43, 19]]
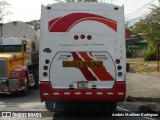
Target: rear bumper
[[117, 93]]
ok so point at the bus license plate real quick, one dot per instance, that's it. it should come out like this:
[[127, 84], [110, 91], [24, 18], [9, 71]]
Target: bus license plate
[[82, 84]]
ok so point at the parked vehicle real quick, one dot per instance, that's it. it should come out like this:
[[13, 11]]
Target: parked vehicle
[[82, 56], [18, 58]]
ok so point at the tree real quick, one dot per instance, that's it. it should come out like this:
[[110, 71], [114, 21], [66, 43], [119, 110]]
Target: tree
[[35, 24], [3, 6], [76, 1], [154, 15], [150, 27]]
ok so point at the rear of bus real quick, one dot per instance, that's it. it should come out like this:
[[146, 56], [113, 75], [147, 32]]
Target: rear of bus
[[82, 53]]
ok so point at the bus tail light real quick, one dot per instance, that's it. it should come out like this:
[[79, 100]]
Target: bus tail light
[[82, 36], [118, 61], [89, 37], [76, 37]]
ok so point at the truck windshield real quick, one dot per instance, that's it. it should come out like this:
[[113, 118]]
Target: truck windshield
[[10, 48]]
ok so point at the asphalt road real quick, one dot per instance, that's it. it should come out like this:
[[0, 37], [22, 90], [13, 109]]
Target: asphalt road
[[31, 102]]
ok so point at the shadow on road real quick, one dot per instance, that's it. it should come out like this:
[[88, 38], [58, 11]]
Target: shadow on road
[[83, 116], [32, 96], [109, 115]]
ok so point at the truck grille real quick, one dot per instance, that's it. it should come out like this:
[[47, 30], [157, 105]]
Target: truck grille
[[3, 68]]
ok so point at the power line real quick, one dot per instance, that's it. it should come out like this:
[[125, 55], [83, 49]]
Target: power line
[[141, 8], [143, 16]]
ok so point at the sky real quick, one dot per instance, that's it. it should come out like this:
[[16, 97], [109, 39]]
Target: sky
[[27, 10]]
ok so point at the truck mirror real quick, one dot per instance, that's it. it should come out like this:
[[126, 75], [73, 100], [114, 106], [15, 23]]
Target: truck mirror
[[33, 46], [24, 47]]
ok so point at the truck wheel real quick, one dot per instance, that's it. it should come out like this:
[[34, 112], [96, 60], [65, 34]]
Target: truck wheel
[[49, 105], [25, 91]]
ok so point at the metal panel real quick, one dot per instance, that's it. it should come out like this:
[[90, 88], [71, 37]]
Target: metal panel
[[3, 68], [14, 84], [82, 74]]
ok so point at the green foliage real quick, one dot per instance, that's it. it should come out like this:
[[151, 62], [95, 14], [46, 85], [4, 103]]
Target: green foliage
[[150, 56], [154, 15], [153, 33], [128, 54], [149, 28], [139, 27], [134, 51], [132, 48], [35, 24]]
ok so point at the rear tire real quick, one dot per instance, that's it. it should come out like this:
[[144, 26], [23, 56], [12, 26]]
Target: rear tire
[[49, 105], [112, 106]]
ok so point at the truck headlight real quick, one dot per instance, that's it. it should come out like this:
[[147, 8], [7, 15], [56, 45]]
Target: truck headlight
[[14, 74]]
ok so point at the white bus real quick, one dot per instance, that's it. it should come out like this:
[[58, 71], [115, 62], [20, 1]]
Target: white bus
[[82, 56]]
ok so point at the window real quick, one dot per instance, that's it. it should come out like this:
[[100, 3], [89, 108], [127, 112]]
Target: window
[[10, 48]]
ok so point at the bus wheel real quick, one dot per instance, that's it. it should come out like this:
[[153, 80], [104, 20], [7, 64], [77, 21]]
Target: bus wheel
[[113, 106], [49, 105]]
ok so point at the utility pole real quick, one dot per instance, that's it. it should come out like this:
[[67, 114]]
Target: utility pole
[[158, 50], [158, 55]]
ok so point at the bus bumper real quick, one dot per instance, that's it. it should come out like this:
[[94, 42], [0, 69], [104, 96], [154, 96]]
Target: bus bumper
[[117, 93]]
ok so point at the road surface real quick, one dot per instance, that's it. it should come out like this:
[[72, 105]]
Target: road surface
[[31, 102]]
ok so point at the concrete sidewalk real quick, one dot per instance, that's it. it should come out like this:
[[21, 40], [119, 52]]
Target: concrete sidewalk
[[143, 85]]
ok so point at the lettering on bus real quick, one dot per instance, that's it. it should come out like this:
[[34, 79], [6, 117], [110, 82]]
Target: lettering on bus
[[82, 64]]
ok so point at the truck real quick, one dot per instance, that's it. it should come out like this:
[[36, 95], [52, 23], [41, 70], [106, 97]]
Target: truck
[[82, 56], [18, 58]]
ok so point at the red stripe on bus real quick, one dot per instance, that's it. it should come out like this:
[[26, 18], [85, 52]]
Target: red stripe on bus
[[52, 22], [65, 23], [100, 72], [86, 73]]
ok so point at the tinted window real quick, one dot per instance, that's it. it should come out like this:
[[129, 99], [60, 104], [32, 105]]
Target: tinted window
[[10, 48]]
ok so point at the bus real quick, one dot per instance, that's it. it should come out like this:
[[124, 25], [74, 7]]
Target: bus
[[82, 56]]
